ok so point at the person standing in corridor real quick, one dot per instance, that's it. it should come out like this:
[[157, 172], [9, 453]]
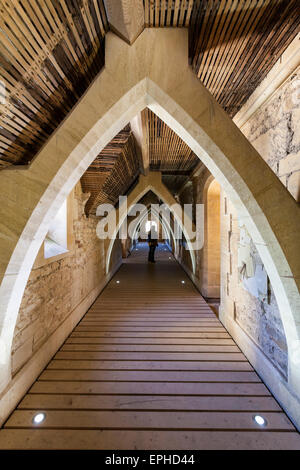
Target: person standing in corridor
[[152, 242]]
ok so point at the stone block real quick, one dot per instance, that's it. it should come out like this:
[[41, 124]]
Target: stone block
[[55, 289], [290, 94], [295, 120], [289, 164]]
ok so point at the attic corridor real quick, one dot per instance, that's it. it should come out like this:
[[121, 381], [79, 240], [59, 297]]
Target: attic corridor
[[149, 367]]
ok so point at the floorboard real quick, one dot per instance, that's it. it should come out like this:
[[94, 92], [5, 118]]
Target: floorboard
[[149, 367]]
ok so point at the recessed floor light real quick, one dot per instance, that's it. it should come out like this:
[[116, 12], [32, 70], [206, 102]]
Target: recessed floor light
[[39, 418], [260, 420], [117, 282], [182, 282]]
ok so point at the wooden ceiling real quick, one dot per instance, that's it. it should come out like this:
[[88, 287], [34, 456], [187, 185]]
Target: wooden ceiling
[[168, 153], [233, 44], [118, 165], [51, 50], [112, 172], [165, 13]]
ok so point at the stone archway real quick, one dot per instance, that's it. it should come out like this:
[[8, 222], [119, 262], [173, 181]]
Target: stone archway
[[162, 221], [151, 182], [210, 285], [135, 77]]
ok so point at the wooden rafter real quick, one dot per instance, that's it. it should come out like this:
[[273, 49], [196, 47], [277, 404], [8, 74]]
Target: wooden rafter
[[112, 172], [165, 13], [233, 44], [167, 151], [50, 51]]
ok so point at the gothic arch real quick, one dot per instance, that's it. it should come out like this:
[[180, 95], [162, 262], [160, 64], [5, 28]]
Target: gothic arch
[[210, 269], [151, 182], [135, 77], [162, 220]]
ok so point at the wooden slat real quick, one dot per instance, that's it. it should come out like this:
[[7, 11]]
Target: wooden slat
[[112, 172], [50, 52], [165, 376], [152, 420], [148, 341], [160, 13], [151, 388], [154, 322], [227, 40], [150, 365], [151, 329], [147, 348], [117, 402], [122, 334], [160, 440], [147, 356], [166, 149], [147, 13]]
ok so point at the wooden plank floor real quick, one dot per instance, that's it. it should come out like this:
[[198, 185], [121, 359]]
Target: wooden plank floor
[[149, 367]]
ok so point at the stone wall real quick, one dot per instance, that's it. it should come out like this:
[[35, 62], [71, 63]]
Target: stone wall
[[258, 316], [55, 288], [275, 133]]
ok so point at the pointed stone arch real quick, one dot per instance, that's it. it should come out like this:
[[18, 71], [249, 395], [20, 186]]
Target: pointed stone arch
[[151, 182], [161, 219], [210, 269], [153, 72]]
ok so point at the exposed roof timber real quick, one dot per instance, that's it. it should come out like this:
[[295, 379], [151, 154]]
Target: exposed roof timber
[[285, 66], [174, 182], [198, 170], [112, 172], [52, 51], [234, 44], [167, 151], [103, 178], [176, 172]]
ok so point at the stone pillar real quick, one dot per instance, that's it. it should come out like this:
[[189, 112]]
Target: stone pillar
[[126, 18]]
